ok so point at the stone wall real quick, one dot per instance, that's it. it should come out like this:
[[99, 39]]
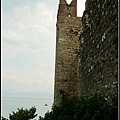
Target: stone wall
[[67, 57], [68, 30], [99, 47]]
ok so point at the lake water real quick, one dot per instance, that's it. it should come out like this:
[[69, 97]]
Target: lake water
[[10, 104]]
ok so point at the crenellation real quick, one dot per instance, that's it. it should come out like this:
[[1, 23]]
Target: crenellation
[[87, 49], [67, 48]]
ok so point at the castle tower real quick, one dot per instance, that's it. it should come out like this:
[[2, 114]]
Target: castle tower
[[68, 29]]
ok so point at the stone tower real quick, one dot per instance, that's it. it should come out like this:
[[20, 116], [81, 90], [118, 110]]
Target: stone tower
[[68, 29]]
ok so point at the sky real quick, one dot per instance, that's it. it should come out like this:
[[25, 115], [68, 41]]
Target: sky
[[28, 46]]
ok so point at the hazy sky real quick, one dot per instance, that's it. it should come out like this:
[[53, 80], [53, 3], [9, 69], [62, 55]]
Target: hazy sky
[[28, 45]]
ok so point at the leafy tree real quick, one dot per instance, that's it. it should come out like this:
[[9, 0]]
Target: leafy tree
[[22, 114], [94, 107], [2, 118]]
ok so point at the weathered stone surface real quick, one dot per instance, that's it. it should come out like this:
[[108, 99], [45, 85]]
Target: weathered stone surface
[[69, 27], [99, 47], [87, 49]]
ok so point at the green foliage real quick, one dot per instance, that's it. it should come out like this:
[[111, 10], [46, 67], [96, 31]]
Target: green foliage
[[22, 114], [84, 108], [2, 118], [94, 107]]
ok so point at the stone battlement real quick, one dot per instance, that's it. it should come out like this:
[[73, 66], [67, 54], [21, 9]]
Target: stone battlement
[[86, 49]]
